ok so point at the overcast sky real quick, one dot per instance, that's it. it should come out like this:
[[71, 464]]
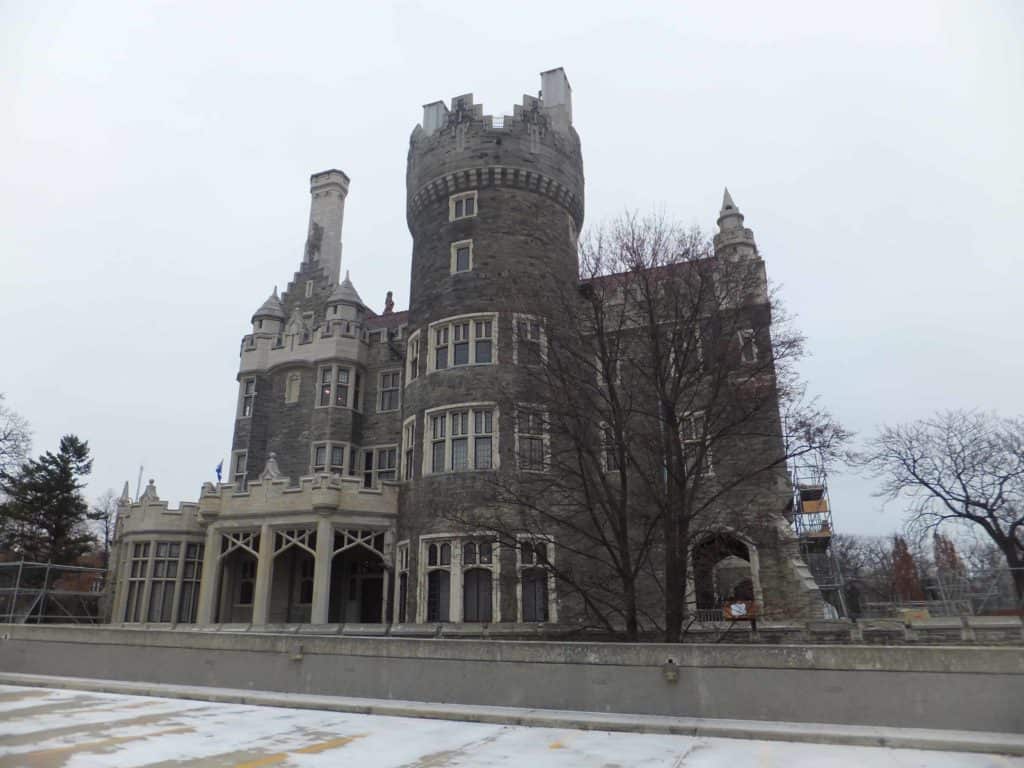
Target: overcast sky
[[155, 161]]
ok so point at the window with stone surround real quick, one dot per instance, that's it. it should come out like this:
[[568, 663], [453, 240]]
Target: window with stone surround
[[412, 358], [328, 457], [138, 572], [379, 464], [291, 387], [748, 345], [478, 579], [532, 438], [238, 469], [188, 603], [609, 449], [529, 341], [247, 398], [462, 206], [696, 443], [461, 256], [461, 438], [463, 340], [438, 578], [336, 387], [402, 584], [390, 383], [460, 574], [165, 575], [535, 578], [408, 447]]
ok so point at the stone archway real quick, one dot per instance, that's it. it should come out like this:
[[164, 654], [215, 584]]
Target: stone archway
[[291, 579], [724, 568], [359, 577], [238, 560]]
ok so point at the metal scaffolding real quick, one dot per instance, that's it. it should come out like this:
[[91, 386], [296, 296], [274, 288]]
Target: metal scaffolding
[[45, 593], [812, 523]]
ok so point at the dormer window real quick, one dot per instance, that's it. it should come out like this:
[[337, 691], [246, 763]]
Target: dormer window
[[462, 206]]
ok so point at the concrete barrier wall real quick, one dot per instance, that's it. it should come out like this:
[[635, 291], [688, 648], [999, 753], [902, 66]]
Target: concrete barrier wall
[[976, 688]]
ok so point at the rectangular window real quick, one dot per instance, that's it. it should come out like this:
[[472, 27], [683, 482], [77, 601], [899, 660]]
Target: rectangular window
[[462, 206], [441, 347], [460, 332], [408, 447], [138, 571], [463, 341], [309, 288], [482, 335], [462, 256], [483, 429], [387, 464], [357, 393], [459, 422], [462, 440], [609, 449], [328, 457], [535, 557], [337, 459], [320, 457], [188, 603], [238, 470], [248, 397], [326, 374], [368, 468], [413, 358], [438, 426], [748, 345], [341, 388], [403, 583], [389, 389], [529, 341], [165, 574], [531, 432], [696, 443]]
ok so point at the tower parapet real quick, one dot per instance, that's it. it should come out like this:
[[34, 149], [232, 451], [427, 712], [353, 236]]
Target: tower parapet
[[733, 241], [535, 148]]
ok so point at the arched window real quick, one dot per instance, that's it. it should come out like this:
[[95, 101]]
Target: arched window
[[469, 553], [535, 594], [446, 554], [476, 595], [438, 592]]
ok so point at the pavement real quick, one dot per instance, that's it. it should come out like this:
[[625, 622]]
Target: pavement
[[80, 722]]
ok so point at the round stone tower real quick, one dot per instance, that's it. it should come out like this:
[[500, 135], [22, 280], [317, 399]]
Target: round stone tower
[[495, 206]]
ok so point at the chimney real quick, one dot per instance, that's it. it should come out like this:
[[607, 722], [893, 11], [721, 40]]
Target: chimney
[[328, 191]]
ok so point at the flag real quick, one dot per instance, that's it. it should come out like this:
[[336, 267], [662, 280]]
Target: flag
[[220, 468]]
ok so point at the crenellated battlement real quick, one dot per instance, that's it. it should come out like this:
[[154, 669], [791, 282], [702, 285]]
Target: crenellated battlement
[[535, 148]]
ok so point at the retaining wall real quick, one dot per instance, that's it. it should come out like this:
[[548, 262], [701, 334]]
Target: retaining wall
[[969, 688]]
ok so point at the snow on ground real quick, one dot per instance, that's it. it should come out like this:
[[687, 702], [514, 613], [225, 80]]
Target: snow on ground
[[43, 727]]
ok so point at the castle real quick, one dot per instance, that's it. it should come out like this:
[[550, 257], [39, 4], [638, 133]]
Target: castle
[[352, 427]]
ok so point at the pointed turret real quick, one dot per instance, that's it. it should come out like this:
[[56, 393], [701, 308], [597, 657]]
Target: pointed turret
[[346, 293], [733, 241], [345, 305], [268, 319]]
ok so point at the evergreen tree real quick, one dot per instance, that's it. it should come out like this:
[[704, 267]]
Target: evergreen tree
[[45, 516]]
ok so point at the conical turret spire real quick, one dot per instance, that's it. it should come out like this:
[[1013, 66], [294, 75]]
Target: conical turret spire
[[271, 307], [346, 293], [733, 241]]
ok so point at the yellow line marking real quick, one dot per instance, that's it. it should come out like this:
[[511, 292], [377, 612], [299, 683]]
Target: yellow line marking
[[89, 745], [311, 749], [323, 746], [556, 745]]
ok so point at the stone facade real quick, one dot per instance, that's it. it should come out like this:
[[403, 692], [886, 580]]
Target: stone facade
[[352, 426]]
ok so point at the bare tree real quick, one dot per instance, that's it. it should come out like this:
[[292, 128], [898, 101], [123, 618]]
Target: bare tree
[[104, 517], [958, 467], [15, 439], [659, 385]]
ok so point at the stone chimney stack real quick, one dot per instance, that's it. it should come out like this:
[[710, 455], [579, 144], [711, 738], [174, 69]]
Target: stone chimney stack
[[328, 191]]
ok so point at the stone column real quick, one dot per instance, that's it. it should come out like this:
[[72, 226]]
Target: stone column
[[322, 571], [264, 572], [209, 585]]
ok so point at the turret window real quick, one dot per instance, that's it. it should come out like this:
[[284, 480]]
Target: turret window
[[413, 358], [408, 446], [529, 343], [748, 345], [462, 206], [238, 469], [461, 439], [463, 341], [462, 256], [531, 439]]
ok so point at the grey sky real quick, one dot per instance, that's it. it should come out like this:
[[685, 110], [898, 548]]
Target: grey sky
[[156, 159]]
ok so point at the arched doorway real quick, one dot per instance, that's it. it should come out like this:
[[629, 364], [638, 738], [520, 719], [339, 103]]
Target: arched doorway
[[239, 556], [291, 580], [724, 571], [358, 577]]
